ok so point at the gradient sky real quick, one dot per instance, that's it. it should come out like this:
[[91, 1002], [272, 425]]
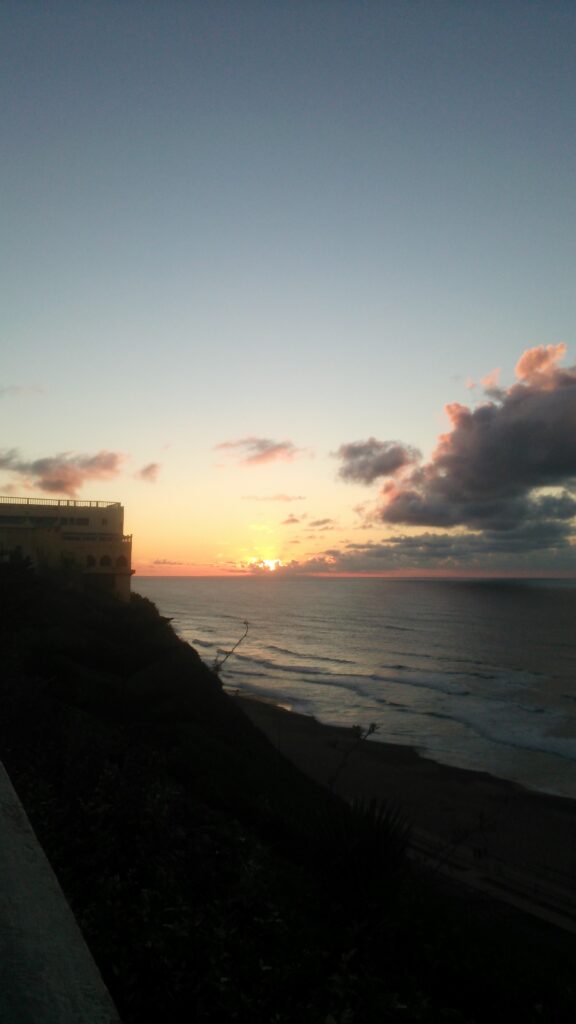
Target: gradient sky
[[252, 250]]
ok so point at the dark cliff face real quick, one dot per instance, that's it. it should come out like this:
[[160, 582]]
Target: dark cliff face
[[122, 662], [158, 803], [123, 666]]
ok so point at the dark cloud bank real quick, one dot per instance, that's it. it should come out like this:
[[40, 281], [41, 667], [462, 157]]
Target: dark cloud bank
[[500, 483]]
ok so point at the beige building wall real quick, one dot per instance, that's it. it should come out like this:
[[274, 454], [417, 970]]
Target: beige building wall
[[86, 537]]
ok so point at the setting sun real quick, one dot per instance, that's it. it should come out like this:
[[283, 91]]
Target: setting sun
[[267, 564]]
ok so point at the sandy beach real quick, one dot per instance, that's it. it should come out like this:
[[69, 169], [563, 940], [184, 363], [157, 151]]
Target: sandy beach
[[496, 831]]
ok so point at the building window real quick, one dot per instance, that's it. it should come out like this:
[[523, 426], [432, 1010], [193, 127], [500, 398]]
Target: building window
[[121, 562], [90, 561], [104, 522], [105, 560]]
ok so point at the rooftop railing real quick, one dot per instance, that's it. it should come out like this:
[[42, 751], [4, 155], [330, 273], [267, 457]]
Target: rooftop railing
[[102, 538], [57, 502]]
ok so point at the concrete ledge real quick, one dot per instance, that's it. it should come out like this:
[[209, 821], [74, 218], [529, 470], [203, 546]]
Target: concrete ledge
[[47, 974]]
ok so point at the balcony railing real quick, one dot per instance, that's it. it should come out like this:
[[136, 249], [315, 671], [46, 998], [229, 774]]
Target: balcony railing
[[101, 538], [58, 502]]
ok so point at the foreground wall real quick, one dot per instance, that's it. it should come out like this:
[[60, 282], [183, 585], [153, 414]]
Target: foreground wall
[[47, 974]]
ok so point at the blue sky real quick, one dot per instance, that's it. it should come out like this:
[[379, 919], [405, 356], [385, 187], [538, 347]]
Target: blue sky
[[311, 222]]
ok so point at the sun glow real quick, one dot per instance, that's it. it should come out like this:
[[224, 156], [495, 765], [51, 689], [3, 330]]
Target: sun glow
[[262, 564]]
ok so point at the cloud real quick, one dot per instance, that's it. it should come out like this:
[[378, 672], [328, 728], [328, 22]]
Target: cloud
[[319, 564], [64, 473], [149, 472], [365, 461], [290, 521], [17, 390], [256, 451], [529, 549], [507, 466], [273, 497], [491, 384], [322, 524], [166, 561], [538, 367], [474, 548]]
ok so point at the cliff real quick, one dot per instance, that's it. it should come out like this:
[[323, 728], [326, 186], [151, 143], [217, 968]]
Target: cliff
[[210, 878]]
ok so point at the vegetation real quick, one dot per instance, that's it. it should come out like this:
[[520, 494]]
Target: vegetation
[[211, 879]]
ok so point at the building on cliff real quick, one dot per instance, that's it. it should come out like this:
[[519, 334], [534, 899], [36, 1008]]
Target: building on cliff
[[83, 538]]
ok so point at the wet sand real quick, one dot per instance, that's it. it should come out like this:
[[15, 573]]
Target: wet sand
[[492, 821]]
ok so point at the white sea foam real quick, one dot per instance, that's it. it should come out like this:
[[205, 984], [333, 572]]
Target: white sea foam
[[476, 674]]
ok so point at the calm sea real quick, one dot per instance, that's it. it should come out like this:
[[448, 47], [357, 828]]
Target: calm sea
[[479, 674]]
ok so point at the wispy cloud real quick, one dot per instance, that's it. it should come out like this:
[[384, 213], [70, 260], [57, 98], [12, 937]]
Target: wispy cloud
[[256, 451], [321, 524], [166, 561], [273, 497], [18, 391], [64, 473], [291, 521], [149, 472]]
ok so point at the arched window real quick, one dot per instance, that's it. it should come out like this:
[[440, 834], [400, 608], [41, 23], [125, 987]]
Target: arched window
[[121, 562], [106, 560], [90, 561]]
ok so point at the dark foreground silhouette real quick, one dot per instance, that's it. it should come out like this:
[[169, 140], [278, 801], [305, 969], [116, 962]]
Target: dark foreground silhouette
[[211, 879]]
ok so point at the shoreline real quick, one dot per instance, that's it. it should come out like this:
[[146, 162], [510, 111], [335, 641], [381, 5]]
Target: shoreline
[[493, 819]]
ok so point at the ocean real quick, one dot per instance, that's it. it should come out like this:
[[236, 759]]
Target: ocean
[[480, 674]]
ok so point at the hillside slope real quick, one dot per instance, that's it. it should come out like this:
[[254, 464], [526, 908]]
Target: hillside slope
[[211, 879]]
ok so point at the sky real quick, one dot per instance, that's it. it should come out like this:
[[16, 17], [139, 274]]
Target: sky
[[294, 281]]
